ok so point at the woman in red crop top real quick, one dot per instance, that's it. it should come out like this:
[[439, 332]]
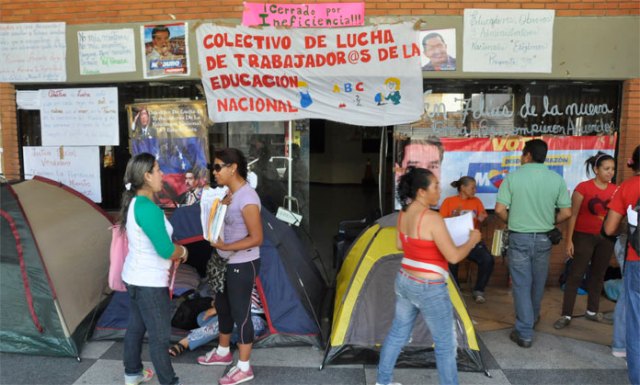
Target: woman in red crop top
[[421, 285]]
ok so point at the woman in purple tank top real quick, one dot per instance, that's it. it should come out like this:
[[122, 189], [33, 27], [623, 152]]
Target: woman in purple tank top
[[240, 245]]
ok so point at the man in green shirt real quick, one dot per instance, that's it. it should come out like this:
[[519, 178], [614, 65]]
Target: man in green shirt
[[527, 201]]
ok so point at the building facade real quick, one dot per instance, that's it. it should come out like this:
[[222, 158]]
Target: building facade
[[594, 43]]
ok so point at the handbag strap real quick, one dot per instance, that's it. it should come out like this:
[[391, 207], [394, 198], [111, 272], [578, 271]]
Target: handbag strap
[[172, 271]]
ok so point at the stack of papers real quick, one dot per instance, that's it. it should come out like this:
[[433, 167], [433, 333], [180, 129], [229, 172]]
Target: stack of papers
[[215, 220], [459, 228], [212, 213]]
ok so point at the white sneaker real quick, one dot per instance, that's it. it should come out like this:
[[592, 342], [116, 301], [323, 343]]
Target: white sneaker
[[146, 376], [619, 354]]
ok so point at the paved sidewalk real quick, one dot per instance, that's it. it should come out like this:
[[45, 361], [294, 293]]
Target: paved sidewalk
[[552, 360]]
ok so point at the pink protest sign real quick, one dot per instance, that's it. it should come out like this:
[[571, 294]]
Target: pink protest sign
[[327, 15]]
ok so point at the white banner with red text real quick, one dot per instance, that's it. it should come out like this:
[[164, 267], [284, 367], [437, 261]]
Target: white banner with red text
[[367, 76]]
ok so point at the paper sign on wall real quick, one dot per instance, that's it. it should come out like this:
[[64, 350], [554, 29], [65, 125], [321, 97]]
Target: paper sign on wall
[[326, 15], [106, 52], [79, 117], [508, 40], [77, 167], [33, 52]]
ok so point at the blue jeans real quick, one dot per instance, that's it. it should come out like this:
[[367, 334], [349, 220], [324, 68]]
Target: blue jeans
[[619, 344], [528, 265], [150, 312], [208, 330], [431, 299], [632, 294], [619, 341]]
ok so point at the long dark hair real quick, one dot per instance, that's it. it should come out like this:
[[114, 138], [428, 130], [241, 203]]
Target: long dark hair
[[465, 180], [133, 181], [413, 180], [231, 156], [596, 161]]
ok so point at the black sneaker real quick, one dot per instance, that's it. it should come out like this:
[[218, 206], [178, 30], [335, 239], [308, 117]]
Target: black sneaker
[[562, 322], [598, 317], [521, 342], [478, 297]]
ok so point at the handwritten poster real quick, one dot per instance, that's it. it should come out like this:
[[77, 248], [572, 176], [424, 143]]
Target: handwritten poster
[[79, 116], [33, 52], [539, 112], [508, 40], [367, 76], [106, 52], [326, 15], [76, 167], [28, 100]]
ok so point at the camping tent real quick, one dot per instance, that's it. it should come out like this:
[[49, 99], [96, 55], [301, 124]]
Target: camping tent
[[364, 303], [53, 266], [290, 285]]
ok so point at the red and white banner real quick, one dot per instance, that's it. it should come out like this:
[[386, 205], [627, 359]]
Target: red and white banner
[[489, 160], [368, 76]]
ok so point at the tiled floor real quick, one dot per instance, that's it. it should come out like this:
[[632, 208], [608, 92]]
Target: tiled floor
[[552, 360]]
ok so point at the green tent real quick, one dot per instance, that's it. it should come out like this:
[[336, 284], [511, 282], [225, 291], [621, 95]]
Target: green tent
[[54, 262]]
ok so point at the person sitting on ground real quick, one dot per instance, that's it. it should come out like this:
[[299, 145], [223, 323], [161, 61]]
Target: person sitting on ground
[[453, 206], [208, 330]]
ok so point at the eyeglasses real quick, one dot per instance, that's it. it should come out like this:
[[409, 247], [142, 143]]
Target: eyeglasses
[[218, 166]]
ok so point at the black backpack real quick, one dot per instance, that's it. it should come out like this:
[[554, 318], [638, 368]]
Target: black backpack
[[189, 305]]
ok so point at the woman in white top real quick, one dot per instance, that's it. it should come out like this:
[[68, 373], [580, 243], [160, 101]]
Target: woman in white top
[[146, 272]]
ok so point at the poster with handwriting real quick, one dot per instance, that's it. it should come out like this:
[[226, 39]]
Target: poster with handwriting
[[33, 52], [106, 52], [508, 40], [79, 117], [327, 15], [76, 167]]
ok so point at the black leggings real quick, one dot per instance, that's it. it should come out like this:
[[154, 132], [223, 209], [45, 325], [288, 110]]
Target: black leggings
[[234, 303]]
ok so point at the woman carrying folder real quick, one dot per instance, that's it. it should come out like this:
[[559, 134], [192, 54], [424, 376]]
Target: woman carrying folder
[[242, 239], [421, 283]]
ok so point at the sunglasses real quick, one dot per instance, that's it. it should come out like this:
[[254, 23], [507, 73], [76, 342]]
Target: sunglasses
[[218, 166]]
